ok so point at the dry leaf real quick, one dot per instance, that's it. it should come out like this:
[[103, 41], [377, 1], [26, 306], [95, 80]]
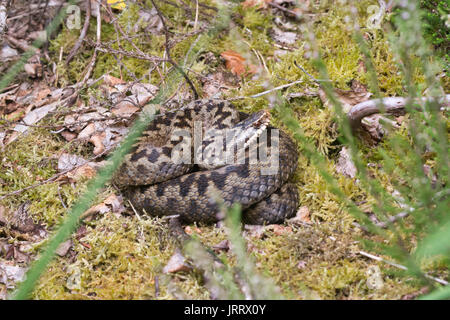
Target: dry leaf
[[112, 81], [236, 63], [112, 204], [345, 164], [97, 141], [34, 116], [279, 229], [284, 37], [81, 168], [33, 69], [223, 245], [11, 274], [260, 4], [255, 231], [69, 161], [84, 172], [176, 263], [68, 135], [87, 131], [124, 109], [64, 248], [303, 214]]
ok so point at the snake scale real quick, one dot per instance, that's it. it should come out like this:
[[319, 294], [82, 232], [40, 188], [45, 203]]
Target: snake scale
[[159, 185]]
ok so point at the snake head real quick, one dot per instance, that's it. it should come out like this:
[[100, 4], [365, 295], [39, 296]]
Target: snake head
[[221, 147], [248, 130]]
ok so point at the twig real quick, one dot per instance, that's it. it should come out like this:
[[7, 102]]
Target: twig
[[371, 256], [169, 58], [94, 56], [391, 105], [259, 56], [318, 81], [4, 4], [61, 199], [269, 91], [83, 33], [56, 176], [196, 14], [290, 12], [384, 224], [104, 48]]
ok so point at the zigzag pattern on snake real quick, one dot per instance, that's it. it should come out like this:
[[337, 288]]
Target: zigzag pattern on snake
[[158, 185]]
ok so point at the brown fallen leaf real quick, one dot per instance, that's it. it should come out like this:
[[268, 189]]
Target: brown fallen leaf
[[68, 161], [81, 168], [237, 63], [34, 70], [302, 217], [64, 248], [112, 204], [10, 274], [15, 115], [124, 109], [279, 229], [176, 263], [68, 135], [303, 214], [21, 221], [86, 171], [260, 4], [97, 141], [254, 231], [112, 81], [223, 245]]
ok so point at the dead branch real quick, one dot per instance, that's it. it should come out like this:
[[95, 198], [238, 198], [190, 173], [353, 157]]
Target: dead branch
[[83, 33], [4, 4], [94, 56], [56, 176], [169, 58], [371, 256], [391, 105], [289, 12]]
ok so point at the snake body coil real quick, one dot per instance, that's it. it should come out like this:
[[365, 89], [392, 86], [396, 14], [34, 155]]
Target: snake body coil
[[189, 187]]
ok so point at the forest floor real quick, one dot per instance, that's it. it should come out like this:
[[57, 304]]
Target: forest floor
[[76, 112]]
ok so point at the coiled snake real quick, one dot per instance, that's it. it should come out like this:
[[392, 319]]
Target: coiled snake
[[168, 172]]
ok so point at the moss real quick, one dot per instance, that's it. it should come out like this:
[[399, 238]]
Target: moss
[[122, 256]]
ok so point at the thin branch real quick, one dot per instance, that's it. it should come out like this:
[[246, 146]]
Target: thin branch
[[371, 256], [290, 12], [392, 105], [169, 58], [270, 90], [94, 56], [56, 176], [4, 4], [318, 81], [83, 33]]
